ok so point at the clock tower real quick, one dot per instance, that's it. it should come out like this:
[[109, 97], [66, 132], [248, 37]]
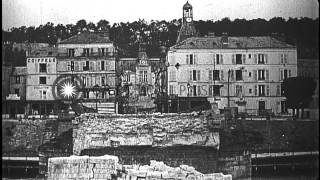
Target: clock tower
[[187, 28]]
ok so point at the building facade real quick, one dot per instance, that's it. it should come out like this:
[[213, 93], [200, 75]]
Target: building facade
[[41, 74], [243, 72], [138, 81], [91, 57], [310, 68]]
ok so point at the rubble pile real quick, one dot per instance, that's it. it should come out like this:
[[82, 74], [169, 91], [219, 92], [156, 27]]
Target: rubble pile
[[107, 167], [91, 131], [27, 134]]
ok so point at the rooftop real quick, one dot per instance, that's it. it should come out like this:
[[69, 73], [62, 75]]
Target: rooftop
[[233, 43], [87, 38], [44, 52]]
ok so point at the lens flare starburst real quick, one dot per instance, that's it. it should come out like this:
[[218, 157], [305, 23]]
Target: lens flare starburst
[[68, 90]]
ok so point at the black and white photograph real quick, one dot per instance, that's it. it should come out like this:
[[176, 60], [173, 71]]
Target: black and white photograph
[[160, 89]]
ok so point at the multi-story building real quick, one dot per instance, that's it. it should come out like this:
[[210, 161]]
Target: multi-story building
[[243, 72], [41, 74], [91, 57], [310, 68], [139, 77], [16, 99]]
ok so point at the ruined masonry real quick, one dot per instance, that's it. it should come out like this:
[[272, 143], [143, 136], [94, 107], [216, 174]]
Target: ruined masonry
[[91, 131], [107, 167]]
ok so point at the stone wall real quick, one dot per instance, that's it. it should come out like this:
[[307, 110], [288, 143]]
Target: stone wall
[[25, 140], [97, 131], [107, 167]]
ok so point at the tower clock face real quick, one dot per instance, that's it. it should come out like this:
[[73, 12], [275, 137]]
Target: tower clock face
[[188, 19]]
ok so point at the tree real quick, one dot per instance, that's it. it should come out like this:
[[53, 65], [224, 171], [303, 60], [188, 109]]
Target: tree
[[81, 25], [298, 91]]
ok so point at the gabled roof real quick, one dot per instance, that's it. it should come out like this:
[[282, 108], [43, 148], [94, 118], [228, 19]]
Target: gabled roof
[[87, 38], [233, 43]]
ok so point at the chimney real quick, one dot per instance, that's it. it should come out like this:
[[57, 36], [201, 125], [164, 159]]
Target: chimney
[[224, 38], [210, 34]]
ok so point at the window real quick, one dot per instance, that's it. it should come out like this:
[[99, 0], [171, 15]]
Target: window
[[103, 80], [143, 76], [172, 75], [283, 58], [126, 77], [238, 58], [214, 90], [194, 90], [249, 74], [101, 51], [190, 59], [239, 90], [43, 94], [285, 73], [86, 52], [281, 90], [261, 59], [71, 52], [194, 75], [16, 91], [143, 91], [42, 80], [261, 75], [249, 56], [17, 79], [238, 75], [218, 59], [261, 90], [85, 66], [102, 65], [84, 81], [171, 90], [86, 94], [215, 74], [284, 108], [42, 68], [72, 65], [250, 91]]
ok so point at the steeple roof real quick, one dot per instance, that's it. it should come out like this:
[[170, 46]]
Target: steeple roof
[[187, 6]]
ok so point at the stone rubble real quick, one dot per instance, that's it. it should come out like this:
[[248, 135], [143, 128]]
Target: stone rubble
[[91, 131], [107, 167]]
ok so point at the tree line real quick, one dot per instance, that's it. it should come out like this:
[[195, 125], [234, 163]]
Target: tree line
[[302, 32]]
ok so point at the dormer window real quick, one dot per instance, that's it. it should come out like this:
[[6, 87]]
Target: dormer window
[[86, 52], [71, 52]]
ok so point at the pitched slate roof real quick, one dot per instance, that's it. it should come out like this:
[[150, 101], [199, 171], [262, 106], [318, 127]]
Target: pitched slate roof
[[87, 38], [233, 43]]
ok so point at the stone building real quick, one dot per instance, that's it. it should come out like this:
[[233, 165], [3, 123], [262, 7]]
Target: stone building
[[16, 99], [91, 57], [310, 68], [243, 72], [41, 74], [139, 77]]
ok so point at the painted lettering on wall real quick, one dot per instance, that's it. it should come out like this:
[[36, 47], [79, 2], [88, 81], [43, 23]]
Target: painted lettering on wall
[[41, 60]]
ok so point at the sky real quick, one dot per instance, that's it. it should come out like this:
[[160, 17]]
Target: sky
[[16, 13]]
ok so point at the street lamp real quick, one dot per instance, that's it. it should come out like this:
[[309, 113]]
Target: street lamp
[[96, 92]]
